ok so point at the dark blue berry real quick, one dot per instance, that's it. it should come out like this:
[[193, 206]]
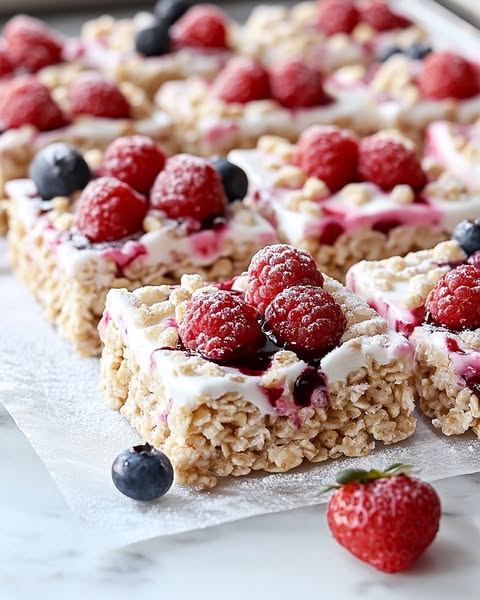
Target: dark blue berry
[[59, 170], [385, 53], [142, 473], [467, 234], [418, 51], [234, 179], [170, 11], [154, 40]]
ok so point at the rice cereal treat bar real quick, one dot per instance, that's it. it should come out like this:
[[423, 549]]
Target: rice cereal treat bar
[[139, 219], [278, 367], [433, 297], [65, 104], [328, 33], [345, 200], [247, 100], [177, 41], [409, 94]]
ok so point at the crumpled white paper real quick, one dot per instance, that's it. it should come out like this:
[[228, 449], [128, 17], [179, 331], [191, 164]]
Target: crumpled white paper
[[51, 394]]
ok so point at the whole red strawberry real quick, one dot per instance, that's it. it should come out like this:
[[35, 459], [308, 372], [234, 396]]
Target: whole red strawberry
[[30, 44], [387, 519]]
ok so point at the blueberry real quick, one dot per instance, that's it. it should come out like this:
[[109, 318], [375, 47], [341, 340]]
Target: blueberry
[[59, 170], [385, 53], [170, 11], [142, 473], [154, 40], [234, 179], [467, 234], [418, 51]]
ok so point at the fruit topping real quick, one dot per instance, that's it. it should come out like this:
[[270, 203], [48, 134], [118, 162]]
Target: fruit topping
[[467, 234], [6, 66], [275, 268], [447, 75], [142, 473], [154, 40], [388, 162], [202, 26], [305, 319], [336, 16], [136, 160], [455, 299], [328, 153], [169, 11], [220, 326], [234, 179], [90, 94], [242, 80], [297, 85], [30, 44], [109, 209], [26, 101], [386, 519], [189, 187], [380, 16], [59, 170]]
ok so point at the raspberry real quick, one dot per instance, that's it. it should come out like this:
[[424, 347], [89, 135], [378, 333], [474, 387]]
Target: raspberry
[[26, 101], [455, 299], [379, 16], [220, 326], [6, 66], [92, 95], [328, 153], [188, 187], [242, 80], [388, 162], [305, 319], [109, 209], [275, 268], [296, 85], [30, 44], [336, 16], [136, 160], [203, 26], [447, 75]]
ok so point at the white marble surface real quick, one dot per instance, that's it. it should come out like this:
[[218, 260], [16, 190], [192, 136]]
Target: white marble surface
[[45, 552]]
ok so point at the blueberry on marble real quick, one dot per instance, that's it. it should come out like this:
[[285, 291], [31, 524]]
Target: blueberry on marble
[[142, 473], [418, 50], [59, 170], [467, 234], [234, 179], [385, 53], [170, 11], [154, 40]]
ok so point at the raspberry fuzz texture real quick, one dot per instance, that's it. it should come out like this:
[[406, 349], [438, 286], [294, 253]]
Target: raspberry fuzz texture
[[275, 268], [90, 94], [297, 85], [447, 75], [109, 209], [189, 187], [202, 26], [242, 80], [329, 153], [136, 160], [454, 301], [305, 319], [388, 162], [220, 326]]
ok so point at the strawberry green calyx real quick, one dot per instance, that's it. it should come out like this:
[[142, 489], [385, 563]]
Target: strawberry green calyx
[[362, 476]]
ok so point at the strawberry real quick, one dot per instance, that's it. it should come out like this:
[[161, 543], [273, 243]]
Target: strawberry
[[385, 518]]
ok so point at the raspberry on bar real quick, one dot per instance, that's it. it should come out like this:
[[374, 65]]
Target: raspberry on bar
[[138, 219], [64, 103], [227, 386], [176, 41], [345, 199], [247, 100], [328, 33], [433, 297]]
